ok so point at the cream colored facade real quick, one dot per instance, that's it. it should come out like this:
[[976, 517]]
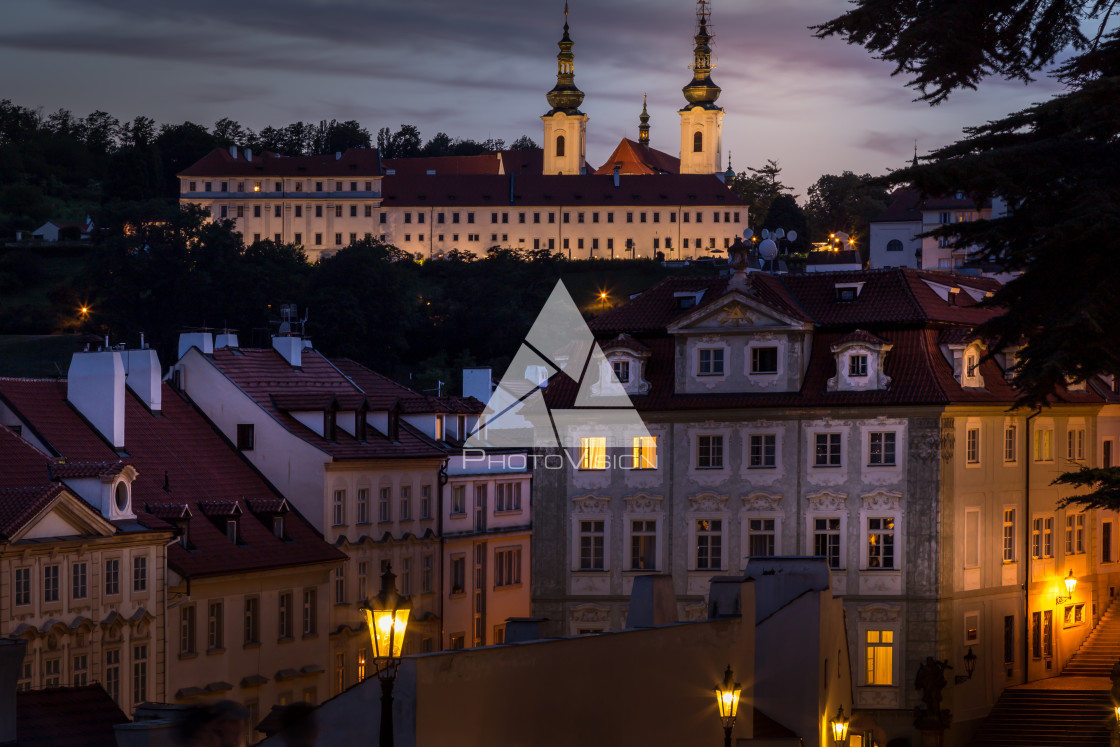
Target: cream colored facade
[[100, 616], [565, 143], [701, 140]]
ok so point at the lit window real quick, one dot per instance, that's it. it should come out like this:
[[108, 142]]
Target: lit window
[[1008, 535], [709, 544], [1044, 445], [593, 453], [645, 452], [828, 450], [880, 657], [881, 449], [880, 542]]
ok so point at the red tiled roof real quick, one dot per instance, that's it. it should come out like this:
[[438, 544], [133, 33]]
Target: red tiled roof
[[264, 374], [624, 342], [67, 717], [529, 161], [860, 335], [181, 447], [354, 163], [485, 163], [573, 191], [634, 158], [384, 390], [88, 469]]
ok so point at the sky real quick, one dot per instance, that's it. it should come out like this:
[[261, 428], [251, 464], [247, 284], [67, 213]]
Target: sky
[[481, 70]]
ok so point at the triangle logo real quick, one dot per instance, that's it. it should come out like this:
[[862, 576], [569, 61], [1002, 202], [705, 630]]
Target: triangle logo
[[559, 343]]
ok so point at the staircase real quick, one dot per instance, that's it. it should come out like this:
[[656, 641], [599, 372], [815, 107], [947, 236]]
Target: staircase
[[1061, 711]]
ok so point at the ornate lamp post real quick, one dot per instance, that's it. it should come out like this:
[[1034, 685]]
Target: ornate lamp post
[[387, 618], [839, 724], [1070, 585], [727, 698]]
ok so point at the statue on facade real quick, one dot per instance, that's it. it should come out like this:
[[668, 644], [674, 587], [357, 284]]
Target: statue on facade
[[931, 681]]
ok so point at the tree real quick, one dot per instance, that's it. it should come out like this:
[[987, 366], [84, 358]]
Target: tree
[[524, 143], [759, 188], [404, 143], [846, 202], [228, 132], [785, 213], [335, 137]]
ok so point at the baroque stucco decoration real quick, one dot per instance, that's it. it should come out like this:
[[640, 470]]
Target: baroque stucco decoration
[[591, 504], [882, 500], [643, 503], [707, 502], [761, 501], [827, 500], [590, 613], [879, 613]]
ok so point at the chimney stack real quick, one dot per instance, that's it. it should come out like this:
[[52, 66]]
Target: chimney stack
[[95, 386], [617, 171], [652, 602], [227, 338], [233, 151], [144, 377], [204, 341], [291, 348], [249, 155]]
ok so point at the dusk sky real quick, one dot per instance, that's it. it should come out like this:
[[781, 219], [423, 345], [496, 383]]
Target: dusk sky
[[480, 69]]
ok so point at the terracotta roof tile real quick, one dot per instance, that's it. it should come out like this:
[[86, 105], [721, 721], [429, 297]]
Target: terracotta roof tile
[[634, 158], [354, 163], [67, 717]]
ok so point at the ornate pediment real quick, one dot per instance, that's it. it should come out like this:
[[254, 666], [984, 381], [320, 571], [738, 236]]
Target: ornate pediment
[[827, 500], [590, 613], [644, 503], [591, 504], [707, 501], [65, 516], [762, 501], [731, 311], [875, 613], [881, 500]]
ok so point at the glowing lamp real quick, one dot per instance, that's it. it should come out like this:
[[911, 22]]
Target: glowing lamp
[[387, 619], [839, 726], [1070, 584], [727, 699], [1117, 709]]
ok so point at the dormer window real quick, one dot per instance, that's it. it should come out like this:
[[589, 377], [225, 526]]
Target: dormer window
[[231, 530], [278, 527], [847, 292], [439, 428], [329, 425], [764, 360], [710, 362], [970, 365], [857, 365], [461, 427], [121, 497], [967, 365], [185, 535], [622, 371], [360, 425]]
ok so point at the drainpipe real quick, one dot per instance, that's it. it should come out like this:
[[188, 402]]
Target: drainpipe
[[1027, 547], [441, 483], [798, 437]]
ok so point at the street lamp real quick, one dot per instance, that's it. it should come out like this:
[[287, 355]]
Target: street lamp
[[969, 667], [839, 725], [1071, 586], [387, 618], [727, 698], [602, 301]]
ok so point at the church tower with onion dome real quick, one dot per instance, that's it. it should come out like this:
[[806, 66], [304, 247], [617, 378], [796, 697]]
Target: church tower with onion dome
[[565, 126], [701, 117]]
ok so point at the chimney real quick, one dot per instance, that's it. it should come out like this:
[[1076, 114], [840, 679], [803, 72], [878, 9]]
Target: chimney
[[291, 348], [249, 155], [227, 338], [652, 602], [204, 341], [477, 383], [233, 151], [617, 170], [95, 386], [338, 155], [143, 376], [524, 629], [12, 651]]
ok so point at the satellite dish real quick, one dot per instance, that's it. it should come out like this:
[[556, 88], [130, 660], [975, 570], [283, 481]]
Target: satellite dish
[[779, 233], [747, 233], [716, 251], [766, 233], [768, 249], [792, 236]]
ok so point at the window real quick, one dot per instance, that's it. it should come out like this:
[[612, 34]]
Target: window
[[880, 657], [1075, 534], [621, 371], [881, 449], [593, 453], [223, 212], [643, 545], [880, 542], [186, 630], [1010, 446], [458, 574], [763, 447], [457, 642], [113, 674], [139, 674], [426, 497], [764, 360], [559, 146], [338, 239], [894, 245], [284, 615], [310, 613], [710, 362], [1008, 535], [80, 669], [644, 452], [1042, 537], [828, 450], [426, 575], [340, 585], [592, 539], [709, 544], [278, 527], [760, 538], [458, 499], [826, 540], [709, 452], [857, 365], [1075, 449], [361, 664], [252, 620], [22, 586], [972, 446], [231, 530], [1044, 445], [406, 503], [139, 574], [299, 238], [52, 673], [112, 576], [1106, 541], [78, 575], [507, 567], [698, 142], [363, 505], [318, 239], [383, 505], [508, 496], [214, 626]]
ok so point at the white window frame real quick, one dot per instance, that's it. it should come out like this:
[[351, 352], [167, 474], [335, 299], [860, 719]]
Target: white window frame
[[810, 530], [576, 544], [750, 449], [1009, 536], [694, 539], [767, 345], [882, 448], [712, 374], [1042, 442], [1042, 534], [628, 548], [1075, 534], [815, 435], [747, 533], [722, 451], [1010, 442], [972, 444]]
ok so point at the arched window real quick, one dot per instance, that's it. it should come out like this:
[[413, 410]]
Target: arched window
[[698, 142], [559, 146], [894, 245]]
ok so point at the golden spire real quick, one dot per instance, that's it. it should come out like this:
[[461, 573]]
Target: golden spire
[[564, 96], [643, 128], [702, 91]]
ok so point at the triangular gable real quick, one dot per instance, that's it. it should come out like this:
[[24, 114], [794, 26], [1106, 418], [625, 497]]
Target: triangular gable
[[734, 311], [65, 516]]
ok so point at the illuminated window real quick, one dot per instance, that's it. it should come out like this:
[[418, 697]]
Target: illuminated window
[[1042, 537], [593, 453], [645, 452], [1008, 535], [709, 544], [880, 542], [361, 664], [880, 657], [881, 449], [1044, 445]]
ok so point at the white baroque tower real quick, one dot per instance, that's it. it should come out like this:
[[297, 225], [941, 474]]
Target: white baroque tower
[[565, 126], [701, 118]]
